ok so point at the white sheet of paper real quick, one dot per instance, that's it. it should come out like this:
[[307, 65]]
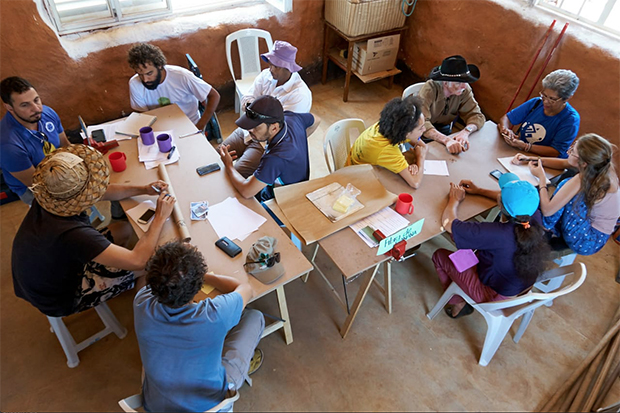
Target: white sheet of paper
[[152, 157], [231, 219], [522, 171], [137, 211], [436, 168], [109, 130], [386, 220]]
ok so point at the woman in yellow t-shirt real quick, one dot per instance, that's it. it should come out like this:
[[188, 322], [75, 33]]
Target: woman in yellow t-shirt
[[401, 121]]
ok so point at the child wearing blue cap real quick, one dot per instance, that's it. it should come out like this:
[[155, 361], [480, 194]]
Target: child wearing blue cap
[[511, 254]]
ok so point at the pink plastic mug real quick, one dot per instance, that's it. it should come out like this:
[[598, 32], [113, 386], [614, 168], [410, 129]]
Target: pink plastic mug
[[404, 205], [118, 160]]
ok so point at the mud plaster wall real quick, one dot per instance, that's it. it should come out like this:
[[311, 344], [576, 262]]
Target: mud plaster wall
[[96, 86], [502, 44]]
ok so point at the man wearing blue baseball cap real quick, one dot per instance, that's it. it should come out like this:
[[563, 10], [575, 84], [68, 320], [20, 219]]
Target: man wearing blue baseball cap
[[511, 254]]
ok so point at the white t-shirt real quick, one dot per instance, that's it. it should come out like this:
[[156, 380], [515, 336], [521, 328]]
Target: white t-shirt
[[294, 95], [180, 86]]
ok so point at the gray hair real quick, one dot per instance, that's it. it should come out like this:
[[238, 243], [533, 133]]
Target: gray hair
[[562, 81]]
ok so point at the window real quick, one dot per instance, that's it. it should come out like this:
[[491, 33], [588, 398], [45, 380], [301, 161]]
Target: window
[[282, 5], [604, 14], [71, 16]]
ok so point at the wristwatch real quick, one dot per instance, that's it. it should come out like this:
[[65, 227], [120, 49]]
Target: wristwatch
[[469, 129]]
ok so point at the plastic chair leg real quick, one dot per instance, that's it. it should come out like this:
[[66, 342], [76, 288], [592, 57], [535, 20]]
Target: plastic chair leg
[[525, 321], [453, 289], [66, 340], [110, 321], [497, 328]]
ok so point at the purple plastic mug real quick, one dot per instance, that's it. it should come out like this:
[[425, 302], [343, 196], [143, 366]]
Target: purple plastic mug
[[164, 141], [146, 133]]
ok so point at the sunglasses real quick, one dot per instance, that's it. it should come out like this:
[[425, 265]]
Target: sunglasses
[[48, 147], [266, 260], [255, 115]]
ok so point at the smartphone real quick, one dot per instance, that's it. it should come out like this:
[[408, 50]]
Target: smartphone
[[496, 173], [146, 217], [203, 170], [98, 135], [228, 247]]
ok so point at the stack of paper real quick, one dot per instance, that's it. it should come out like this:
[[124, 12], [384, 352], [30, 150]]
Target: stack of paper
[[231, 219], [522, 171], [131, 126], [109, 130], [152, 157], [386, 220]]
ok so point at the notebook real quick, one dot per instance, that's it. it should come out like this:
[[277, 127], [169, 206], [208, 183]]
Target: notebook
[[131, 126]]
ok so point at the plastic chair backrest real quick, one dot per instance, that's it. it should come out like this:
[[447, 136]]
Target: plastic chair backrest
[[338, 141], [413, 89], [132, 403], [249, 55], [577, 270]]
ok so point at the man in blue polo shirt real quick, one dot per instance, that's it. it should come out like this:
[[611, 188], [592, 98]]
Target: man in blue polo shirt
[[285, 160], [28, 132]]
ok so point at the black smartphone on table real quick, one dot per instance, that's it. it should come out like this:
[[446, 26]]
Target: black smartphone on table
[[146, 217], [228, 247], [496, 173], [203, 170], [98, 135]]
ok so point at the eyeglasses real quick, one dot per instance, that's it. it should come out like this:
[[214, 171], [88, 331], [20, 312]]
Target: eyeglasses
[[255, 115], [266, 260], [572, 152], [547, 98]]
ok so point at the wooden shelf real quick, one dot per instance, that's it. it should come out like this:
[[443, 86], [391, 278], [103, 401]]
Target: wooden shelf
[[341, 62]]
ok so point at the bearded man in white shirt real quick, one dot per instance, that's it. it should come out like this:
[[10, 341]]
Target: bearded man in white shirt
[[281, 81]]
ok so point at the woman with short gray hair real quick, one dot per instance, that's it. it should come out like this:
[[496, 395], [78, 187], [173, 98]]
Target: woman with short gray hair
[[549, 124]]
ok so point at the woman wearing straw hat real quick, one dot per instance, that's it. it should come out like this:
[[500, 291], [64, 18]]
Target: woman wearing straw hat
[[61, 264], [447, 95]]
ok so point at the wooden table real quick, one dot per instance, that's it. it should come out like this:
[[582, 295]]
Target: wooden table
[[347, 64], [215, 187], [354, 258]]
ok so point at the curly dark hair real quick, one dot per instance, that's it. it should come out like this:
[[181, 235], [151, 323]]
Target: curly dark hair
[[12, 85], [142, 54], [399, 117], [533, 254], [175, 273]]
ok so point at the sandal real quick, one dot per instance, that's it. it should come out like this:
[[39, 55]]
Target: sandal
[[465, 311], [256, 361]]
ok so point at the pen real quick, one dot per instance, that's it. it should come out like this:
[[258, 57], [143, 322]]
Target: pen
[[189, 134], [171, 152]]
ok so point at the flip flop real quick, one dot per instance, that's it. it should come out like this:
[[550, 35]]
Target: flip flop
[[465, 311]]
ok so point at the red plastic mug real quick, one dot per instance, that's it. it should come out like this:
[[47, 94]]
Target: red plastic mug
[[118, 160], [404, 205]]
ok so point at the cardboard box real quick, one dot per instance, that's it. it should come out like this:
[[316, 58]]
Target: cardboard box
[[375, 55]]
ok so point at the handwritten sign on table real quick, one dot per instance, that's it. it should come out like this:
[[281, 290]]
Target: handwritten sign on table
[[411, 231]]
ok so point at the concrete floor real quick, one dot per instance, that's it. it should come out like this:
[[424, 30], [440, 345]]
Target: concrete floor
[[401, 361]]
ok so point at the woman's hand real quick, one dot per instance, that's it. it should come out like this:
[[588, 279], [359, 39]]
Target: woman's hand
[[520, 159], [537, 170], [469, 187]]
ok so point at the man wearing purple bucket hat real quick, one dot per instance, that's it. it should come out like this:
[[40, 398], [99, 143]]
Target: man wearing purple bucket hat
[[280, 80]]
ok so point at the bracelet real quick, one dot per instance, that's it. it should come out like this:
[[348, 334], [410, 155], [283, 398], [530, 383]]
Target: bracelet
[[542, 187], [528, 147]]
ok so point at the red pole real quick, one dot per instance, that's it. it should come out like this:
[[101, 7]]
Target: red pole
[[547, 61], [531, 65]]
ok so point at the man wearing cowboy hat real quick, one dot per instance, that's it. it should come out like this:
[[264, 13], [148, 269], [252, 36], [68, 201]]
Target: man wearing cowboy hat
[[285, 160], [446, 95], [28, 132], [280, 80], [60, 263], [157, 84]]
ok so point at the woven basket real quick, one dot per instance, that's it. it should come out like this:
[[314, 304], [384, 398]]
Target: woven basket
[[360, 17]]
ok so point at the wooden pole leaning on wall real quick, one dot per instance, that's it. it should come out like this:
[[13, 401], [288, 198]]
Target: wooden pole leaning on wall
[[177, 215]]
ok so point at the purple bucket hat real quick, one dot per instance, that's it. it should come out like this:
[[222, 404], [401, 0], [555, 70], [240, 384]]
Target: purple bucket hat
[[282, 55]]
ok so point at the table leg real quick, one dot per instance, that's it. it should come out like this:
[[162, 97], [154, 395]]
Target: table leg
[[366, 283], [288, 330], [347, 79], [325, 58]]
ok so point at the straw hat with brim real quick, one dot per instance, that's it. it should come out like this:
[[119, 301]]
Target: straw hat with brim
[[256, 265], [70, 180], [455, 69]]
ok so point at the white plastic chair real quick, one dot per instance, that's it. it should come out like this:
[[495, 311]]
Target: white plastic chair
[[68, 343], [339, 140], [413, 89], [500, 315], [132, 403], [249, 58]]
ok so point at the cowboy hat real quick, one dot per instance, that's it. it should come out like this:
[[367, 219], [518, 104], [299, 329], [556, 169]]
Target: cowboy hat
[[455, 69]]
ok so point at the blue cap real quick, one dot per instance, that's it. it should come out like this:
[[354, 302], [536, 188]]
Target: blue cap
[[518, 197]]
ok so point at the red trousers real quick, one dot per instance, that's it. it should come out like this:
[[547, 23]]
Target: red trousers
[[468, 280]]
